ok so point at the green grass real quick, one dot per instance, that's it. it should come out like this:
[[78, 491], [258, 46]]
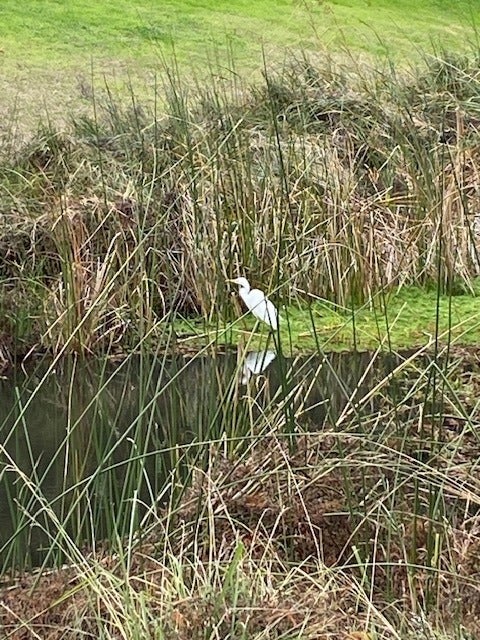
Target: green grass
[[53, 34], [53, 52], [404, 319]]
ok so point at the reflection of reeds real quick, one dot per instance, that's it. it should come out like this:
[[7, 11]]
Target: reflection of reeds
[[361, 466], [322, 180]]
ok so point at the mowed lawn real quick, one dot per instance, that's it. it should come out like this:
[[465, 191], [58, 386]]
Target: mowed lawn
[[50, 50], [57, 34]]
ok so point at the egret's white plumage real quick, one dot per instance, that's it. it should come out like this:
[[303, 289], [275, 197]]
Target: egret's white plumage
[[257, 303]]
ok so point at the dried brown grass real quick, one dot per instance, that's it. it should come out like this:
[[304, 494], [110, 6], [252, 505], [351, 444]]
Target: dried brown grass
[[270, 548], [327, 183]]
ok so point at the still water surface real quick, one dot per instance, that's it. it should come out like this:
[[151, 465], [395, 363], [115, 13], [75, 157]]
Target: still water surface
[[89, 443]]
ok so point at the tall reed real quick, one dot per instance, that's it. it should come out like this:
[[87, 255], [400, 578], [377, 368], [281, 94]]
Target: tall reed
[[185, 501], [320, 180]]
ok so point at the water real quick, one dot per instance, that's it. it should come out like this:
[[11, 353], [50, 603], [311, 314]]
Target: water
[[92, 444]]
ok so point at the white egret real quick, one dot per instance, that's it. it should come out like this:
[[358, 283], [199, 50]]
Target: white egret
[[257, 303]]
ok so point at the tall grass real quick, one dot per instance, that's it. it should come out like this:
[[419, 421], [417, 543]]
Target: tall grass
[[173, 497], [322, 181], [179, 502]]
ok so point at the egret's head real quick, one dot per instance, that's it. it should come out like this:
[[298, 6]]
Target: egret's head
[[242, 283]]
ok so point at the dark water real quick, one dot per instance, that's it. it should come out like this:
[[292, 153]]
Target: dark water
[[92, 444]]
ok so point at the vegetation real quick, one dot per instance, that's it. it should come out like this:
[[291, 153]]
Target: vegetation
[[228, 510], [170, 497], [321, 183], [50, 50], [62, 35]]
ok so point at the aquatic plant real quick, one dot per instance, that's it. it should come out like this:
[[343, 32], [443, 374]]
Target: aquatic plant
[[322, 181]]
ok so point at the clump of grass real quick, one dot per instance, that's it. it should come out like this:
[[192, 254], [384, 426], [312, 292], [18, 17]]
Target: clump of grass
[[321, 180], [272, 544]]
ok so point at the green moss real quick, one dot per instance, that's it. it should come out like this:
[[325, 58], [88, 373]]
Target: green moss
[[404, 319]]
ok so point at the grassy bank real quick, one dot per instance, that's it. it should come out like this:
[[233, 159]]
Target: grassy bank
[[321, 183], [53, 35], [50, 51], [399, 319]]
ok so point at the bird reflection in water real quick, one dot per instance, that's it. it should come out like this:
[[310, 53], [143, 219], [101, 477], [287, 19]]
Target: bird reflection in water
[[255, 363]]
